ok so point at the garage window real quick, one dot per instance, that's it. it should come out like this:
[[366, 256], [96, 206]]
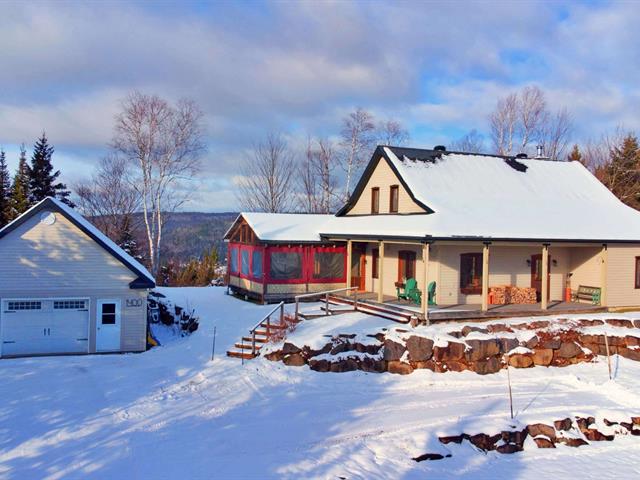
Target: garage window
[[108, 313], [24, 305], [69, 304]]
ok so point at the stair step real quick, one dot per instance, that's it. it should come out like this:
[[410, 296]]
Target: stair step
[[258, 339], [379, 311], [245, 355], [245, 346], [275, 326], [262, 333]]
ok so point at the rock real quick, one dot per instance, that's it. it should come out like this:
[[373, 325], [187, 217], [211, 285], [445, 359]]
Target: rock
[[420, 348], [635, 432], [319, 365], [543, 442], [455, 334], [456, 366], [509, 448], [508, 344], [340, 347], [514, 436], [497, 328], [631, 341], [368, 364], [484, 442], [539, 324], [275, 356], [635, 420], [428, 364], [590, 323], [609, 423], [393, 351], [484, 367], [552, 343], [563, 425], [591, 339], [481, 349], [568, 350], [629, 353], [430, 456], [620, 323], [314, 353], [627, 425], [542, 356], [572, 442], [532, 342], [537, 429], [288, 348], [636, 323], [452, 439], [401, 368], [521, 360], [345, 365], [584, 423], [453, 351], [294, 360], [595, 436], [467, 329]]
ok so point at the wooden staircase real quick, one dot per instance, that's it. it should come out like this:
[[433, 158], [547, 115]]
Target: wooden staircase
[[249, 347], [382, 310]]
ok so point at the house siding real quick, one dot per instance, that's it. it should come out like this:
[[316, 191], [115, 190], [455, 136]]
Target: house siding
[[384, 177], [585, 267], [61, 261], [621, 291]]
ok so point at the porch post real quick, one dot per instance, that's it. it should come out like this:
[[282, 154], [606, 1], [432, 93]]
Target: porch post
[[349, 246], [544, 296], [603, 276], [485, 277], [425, 290], [381, 271]]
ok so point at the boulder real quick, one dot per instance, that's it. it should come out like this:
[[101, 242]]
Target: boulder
[[368, 364], [452, 439], [542, 356], [456, 366], [455, 334], [552, 343], [514, 436], [428, 364], [536, 429], [590, 323], [430, 456], [484, 442], [420, 348], [453, 351], [521, 360], [314, 353], [543, 442], [294, 360], [636, 323], [635, 420], [631, 341], [340, 347], [568, 350], [467, 329], [584, 423], [620, 323], [532, 342], [395, 366], [481, 349], [393, 351], [629, 353], [497, 328], [509, 448], [344, 365], [595, 436], [371, 349], [563, 425], [539, 324], [484, 367], [572, 442], [288, 348], [319, 365], [508, 344]]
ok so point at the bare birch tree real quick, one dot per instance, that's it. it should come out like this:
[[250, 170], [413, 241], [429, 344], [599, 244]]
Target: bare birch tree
[[555, 135], [308, 182], [531, 108], [109, 197], [503, 124], [472, 142], [267, 177], [357, 139], [164, 144], [393, 133], [324, 163]]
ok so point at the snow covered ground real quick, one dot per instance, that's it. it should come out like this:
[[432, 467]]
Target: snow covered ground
[[171, 413]]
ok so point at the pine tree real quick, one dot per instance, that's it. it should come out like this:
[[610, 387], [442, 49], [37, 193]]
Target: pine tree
[[20, 189], [42, 178], [575, 155], [127, 242], [5, 191], [621, 175]]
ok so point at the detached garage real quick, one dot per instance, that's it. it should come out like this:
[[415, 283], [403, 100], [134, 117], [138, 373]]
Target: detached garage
[[65, 288]]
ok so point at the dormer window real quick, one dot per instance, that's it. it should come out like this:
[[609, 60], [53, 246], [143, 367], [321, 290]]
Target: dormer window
[[393, 199], [375, 200]]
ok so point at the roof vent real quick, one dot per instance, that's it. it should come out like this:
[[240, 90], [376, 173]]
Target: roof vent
[[540, 151], [440, 148], [521, 155]]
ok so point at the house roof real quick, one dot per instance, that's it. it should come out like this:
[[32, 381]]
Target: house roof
[[284, 227], [144, 280], [495, 197]]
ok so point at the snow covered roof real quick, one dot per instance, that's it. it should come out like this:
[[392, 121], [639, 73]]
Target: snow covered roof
[[494, 197], [284, 227], [145, 279]]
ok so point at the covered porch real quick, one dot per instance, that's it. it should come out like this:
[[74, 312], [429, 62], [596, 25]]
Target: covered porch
[[471, 278]]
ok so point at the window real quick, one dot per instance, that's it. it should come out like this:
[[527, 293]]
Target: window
[[471, 273], [24, 305], [375, 262], [375, 200], [285, 265], [637, 272], [69, 304], [108, 313], [328, 265], [233, 260], [244, 262], [256, 264], [393, 199], [406, 265]]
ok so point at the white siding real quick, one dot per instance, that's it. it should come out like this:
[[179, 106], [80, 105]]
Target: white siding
[[621, 289]]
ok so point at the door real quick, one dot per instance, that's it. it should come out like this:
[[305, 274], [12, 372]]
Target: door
[[108, 325], [44, 326], [536, 275], [359, 266]]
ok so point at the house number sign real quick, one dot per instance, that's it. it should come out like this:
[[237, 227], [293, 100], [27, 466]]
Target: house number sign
[[134, 302]]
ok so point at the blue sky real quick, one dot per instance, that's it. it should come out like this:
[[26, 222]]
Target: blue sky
[[298, 67]]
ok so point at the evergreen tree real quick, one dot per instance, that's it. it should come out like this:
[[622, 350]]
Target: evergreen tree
[[5, 191], [20, 189], [127, 242], [620, 174], [42, 178], [575, 155]]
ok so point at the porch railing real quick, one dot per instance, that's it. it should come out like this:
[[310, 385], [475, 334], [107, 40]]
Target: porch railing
[[326, 294], [266, 323]]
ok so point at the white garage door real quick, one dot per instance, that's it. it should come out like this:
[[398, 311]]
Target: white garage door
[[42, 326]]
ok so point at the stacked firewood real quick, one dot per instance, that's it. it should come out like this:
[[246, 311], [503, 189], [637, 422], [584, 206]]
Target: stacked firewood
[[504, 294]]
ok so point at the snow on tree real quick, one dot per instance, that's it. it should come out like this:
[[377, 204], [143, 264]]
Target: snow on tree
[[42, 177]]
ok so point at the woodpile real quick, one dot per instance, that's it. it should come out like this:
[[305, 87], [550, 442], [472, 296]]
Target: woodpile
[[504, 294]]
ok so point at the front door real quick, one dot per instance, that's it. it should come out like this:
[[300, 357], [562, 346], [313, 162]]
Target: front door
[[358, 266], [108, 326], [536, 275]]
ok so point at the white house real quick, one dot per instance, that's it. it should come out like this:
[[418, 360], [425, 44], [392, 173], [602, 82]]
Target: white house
[[66, 288]]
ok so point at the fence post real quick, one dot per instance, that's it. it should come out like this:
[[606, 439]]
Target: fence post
[[355, 300], [297, 307], [253, 342], [268, 325], [326, 303], [282, 314]]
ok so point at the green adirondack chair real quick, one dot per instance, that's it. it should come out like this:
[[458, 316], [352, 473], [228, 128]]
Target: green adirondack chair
[[431, 291], [410, 291]]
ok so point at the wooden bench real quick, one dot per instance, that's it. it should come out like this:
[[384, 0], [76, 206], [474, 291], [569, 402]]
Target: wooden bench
[[590, 294]]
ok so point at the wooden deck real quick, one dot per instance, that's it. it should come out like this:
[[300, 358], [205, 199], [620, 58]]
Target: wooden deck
[[474, 311]]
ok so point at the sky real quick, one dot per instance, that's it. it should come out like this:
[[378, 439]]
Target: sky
[[298, 67]]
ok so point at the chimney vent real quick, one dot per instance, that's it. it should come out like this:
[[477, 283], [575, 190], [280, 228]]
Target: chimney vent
[[440, 148], [540, 151]]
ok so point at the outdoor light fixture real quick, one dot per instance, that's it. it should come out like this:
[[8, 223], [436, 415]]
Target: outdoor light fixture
[[554, 262], [528, 262]]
